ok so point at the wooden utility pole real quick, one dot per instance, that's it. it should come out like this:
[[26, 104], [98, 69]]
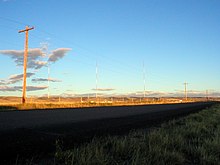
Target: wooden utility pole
[[25, 61]]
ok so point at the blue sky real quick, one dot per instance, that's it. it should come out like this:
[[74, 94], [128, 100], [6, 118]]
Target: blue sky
[[177, 41]]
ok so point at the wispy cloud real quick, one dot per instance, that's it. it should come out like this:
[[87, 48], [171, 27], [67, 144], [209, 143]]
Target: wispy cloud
[[58, 54], [20, 76], [148, 94], [36, 64], [214, 94], [35, 88], [69, 94], [14, 79], [9, 88], [2, 82], [190, 93], [156, 94], [19, 88], [45, 79], [103, 89]]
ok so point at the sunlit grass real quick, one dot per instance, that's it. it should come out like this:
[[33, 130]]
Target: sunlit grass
[[45, 106], [78, 102]]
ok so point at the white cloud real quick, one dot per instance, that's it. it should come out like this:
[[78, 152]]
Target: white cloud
[[58, 54], [45, 79], [34, 57]]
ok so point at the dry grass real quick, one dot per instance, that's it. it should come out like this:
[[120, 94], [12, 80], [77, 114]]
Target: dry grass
[[13, 103]]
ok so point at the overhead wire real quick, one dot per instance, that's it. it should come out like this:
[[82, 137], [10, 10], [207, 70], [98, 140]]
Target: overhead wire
[[93, 58], [92, 55]]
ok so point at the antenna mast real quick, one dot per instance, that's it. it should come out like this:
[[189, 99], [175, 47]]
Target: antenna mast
[[48, 80], [144, 79], [185, 90], [96, 79], [45, 50]]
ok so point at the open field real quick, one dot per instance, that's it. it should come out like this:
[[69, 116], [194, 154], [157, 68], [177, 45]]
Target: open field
[[14, 103], [33, 132]]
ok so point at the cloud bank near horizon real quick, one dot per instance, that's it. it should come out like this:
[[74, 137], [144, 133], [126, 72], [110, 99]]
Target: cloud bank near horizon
[[103, 89], [36, 60], [45, 79], [140, 94], [19, 88], [15, 78]]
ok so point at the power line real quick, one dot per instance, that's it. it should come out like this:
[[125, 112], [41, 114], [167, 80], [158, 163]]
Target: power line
[[116, 61], [91, 56], [125, 66], [11, 20]]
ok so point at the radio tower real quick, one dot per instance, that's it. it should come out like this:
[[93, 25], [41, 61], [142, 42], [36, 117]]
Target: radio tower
[[44, 47], [144, 79], [96, 70], [185, 90]]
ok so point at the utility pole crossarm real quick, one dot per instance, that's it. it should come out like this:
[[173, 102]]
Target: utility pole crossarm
[[27, 29]]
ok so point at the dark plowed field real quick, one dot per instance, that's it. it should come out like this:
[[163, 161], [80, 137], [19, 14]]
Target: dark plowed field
[[33, 132]]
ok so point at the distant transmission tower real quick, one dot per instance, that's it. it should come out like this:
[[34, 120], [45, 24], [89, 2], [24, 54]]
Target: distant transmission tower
[[207, 94], [96, 71], [48, 79], [144, 79], [25, 61], [44, 46], [185, 90]]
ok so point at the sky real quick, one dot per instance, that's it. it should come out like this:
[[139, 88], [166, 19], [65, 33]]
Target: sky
[[111, 47]]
